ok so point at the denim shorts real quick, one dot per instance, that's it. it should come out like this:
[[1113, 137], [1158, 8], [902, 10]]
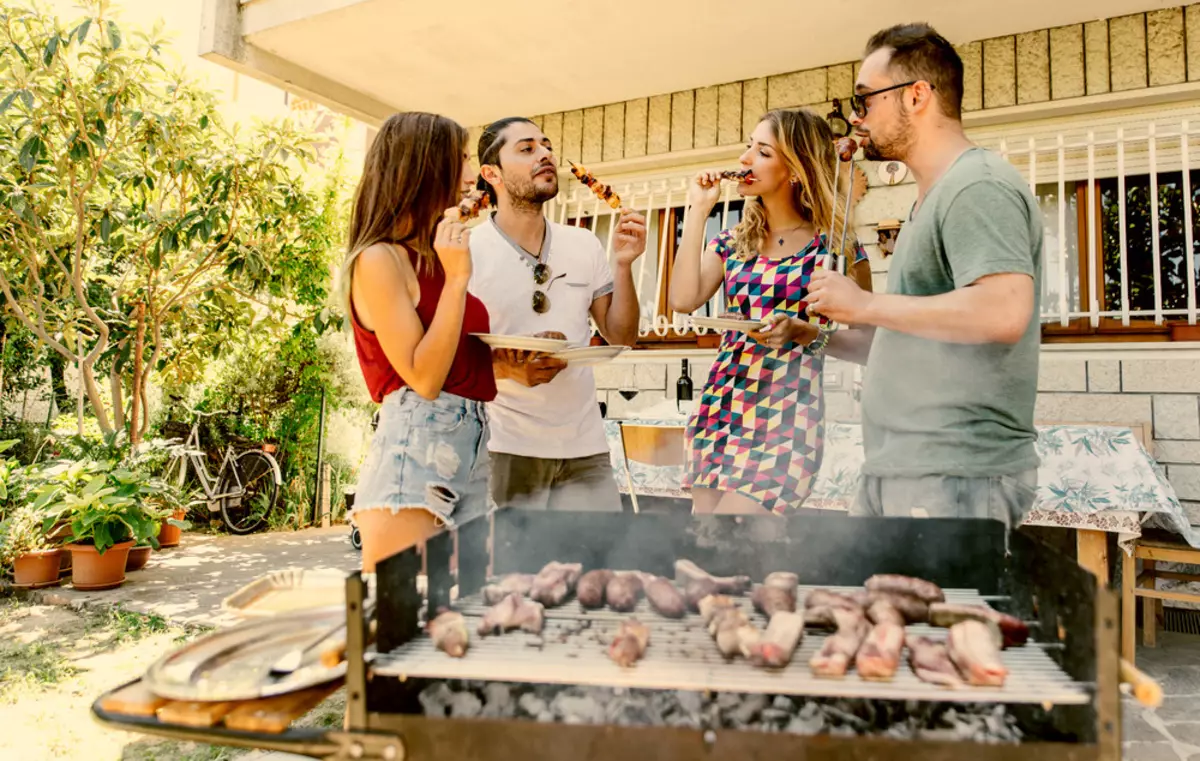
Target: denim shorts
[[428, 454], [1004, 498]]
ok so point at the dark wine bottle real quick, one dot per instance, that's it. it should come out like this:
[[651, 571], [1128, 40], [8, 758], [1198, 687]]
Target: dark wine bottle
[[683, 386]]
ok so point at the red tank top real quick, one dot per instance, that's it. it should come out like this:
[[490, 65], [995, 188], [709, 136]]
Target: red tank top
[[470, 373]]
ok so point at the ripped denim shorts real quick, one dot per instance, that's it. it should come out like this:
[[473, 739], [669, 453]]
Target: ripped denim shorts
[[428, 454]]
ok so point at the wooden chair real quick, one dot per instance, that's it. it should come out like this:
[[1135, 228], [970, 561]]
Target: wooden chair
[[659, 445], [1149, 549]]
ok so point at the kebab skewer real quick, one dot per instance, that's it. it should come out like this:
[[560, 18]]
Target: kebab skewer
[[603, 192]]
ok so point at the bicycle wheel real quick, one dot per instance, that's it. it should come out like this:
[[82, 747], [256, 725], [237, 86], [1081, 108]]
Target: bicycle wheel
[[247, 511]]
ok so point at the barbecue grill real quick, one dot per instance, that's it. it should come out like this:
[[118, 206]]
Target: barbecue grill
[[1061, 692]]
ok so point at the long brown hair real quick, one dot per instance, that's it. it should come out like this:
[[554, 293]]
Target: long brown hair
[[806, 144], [412, 174]]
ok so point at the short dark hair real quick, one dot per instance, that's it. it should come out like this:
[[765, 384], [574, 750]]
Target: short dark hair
[[490, 142], [919, 52]]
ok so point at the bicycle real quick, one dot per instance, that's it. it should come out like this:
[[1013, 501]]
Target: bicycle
[[245, 488]]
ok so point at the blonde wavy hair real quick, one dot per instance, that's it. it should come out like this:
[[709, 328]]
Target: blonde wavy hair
[[806, 144]]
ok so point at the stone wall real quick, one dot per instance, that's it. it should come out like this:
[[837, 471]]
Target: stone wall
[[1153, 49]]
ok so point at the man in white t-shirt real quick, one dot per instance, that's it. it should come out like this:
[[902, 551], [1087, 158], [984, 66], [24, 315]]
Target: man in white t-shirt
[[535, 276]]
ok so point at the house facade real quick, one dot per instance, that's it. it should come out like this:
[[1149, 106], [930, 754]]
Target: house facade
[[1096, 104]]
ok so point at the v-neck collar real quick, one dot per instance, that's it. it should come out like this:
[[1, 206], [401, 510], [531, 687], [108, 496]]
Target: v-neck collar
[[530, 260]]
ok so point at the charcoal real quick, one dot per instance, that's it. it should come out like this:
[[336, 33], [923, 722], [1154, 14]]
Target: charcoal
[[578, 710], [532, 705], [727, 701], [498, 702], [545, 717], [465, 705], [810, 720], [634, 712], [843, 730], [783, 703], [749, 709], [841, 717], [436, 699], [775, 717]]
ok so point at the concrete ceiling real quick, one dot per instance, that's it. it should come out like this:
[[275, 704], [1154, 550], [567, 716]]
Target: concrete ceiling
[[476, 60]]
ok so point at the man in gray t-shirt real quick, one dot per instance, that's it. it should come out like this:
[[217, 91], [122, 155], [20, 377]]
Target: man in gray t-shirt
[[952, 348]]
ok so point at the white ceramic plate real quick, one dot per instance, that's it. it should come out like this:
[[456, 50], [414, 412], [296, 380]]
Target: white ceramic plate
[[725, 323], [586, 356], [522, 343]]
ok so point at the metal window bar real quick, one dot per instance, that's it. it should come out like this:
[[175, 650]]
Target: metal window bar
[[1188, 235]]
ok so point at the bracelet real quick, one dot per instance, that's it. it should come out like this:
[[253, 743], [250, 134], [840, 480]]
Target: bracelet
[[817, 346]]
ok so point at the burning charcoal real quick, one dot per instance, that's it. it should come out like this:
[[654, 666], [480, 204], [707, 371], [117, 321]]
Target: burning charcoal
[[545, 717], [840, 716], [748, 709], [577, 710], [590, 589], [464, 705], [634, 712], [622, 592], [691, 703], [436, 699], [532, 705], [727, 701], [497, 698], [783, 703], [775, 716], [810, 721]]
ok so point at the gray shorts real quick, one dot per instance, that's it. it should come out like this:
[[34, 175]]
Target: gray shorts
[[536, 483], [1003, 498]]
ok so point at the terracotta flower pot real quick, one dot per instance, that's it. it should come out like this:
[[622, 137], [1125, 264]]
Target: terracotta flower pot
[[138, 557], [64, 565], [37, 569], [384, 533], [168, 535], [93, 571]]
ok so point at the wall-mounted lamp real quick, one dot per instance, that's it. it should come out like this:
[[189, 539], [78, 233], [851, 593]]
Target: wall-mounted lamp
[[888, 230], [837, 122]]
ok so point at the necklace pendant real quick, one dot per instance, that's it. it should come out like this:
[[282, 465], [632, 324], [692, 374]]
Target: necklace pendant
[[781, 240]]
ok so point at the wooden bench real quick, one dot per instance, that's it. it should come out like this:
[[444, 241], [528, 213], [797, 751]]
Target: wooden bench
[[1138, 576]]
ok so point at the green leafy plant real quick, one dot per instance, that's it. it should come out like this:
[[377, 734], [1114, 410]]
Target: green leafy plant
[[21, 532]]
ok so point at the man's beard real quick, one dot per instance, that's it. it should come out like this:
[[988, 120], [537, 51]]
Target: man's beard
[[527, 194], [894, 148]]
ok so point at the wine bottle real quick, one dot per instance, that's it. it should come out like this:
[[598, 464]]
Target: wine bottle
[[683, 387]]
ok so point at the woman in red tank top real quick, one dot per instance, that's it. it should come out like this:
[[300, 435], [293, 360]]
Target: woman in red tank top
[[405, 276]]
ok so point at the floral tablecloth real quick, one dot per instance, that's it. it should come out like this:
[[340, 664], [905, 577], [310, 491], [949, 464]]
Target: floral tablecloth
[[1091, 477]]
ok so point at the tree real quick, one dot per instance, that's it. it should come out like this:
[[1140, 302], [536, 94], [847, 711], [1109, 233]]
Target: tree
[[138, 233]]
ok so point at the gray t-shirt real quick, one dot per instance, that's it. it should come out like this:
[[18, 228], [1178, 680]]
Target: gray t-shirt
[[936, 408]]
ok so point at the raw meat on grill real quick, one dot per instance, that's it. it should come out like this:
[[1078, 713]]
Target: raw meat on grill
[[1013, 631], [883, 612], [879, 655], [629, 643], [726, 585], [555, 582], [772, 600], [520, 583], [513, 612], [906, 585], [838, 650], [823, 598], [732, 631], [973, 647], [663, 596], [930, 661], [623, 591], [774, 649], [695, 590], [782, 580], [448, 630], [914, 609], [709, 606], [590, 588]]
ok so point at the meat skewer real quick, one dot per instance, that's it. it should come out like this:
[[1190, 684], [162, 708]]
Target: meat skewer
[[739, 175], [844, 149], [518, 583], [590, 588], [879, 655], [1013, 631], [555, 582], [906, 585], [838, 651], [973, 647], [727, 585], [629, 643], [603, 192], [472, 204], [623, 591], [931, 662], [774, 649], [664, 597], [513, 612], [448, 630]]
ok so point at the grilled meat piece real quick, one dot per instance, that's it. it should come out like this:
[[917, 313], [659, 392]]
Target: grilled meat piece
[[664, 597], [629, 643], [556, 335], [823, 598], [771, 600], [726, 585], [555, 582], [883, 612], [1013, 631], [974, 647], [623, 591], [879, 656], [709, 606], [782, 580], [448, 630], [914, 609], [695, 590], [731, 630], [740, 175], [906, 585], [774, 649], [603, 192], [838, 650], [931, 662], [845, 148], [513, 612], [471, 205], [590, 589], [519, 583]]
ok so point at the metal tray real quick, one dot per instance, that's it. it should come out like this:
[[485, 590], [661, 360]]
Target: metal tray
[[288, 591]]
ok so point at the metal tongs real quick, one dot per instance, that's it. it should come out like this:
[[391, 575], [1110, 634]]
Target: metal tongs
[[844, 148]]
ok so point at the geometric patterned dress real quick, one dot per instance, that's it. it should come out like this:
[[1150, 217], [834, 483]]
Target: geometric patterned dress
[[759, 428]]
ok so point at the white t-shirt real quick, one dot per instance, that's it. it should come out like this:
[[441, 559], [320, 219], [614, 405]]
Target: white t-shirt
[[559, 419]]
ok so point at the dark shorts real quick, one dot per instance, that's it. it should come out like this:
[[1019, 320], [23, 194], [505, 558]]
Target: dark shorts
[[1004, 498], [536, 483]]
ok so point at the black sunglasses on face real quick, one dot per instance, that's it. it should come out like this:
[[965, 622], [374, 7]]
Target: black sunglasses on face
[[858, 101]]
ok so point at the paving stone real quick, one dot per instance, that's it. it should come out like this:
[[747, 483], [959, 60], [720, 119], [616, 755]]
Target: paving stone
[[1135, 729], [1179, 708], [1187, 732], [1180, 680], [1149, 751]]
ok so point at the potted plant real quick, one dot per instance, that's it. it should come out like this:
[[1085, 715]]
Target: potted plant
[[106, 519], [25, 549]]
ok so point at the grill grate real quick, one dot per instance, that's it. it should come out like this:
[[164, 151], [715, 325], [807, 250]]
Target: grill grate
[[682, 656], [1181, 620]]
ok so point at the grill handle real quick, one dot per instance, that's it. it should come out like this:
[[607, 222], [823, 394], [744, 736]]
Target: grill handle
[[1147, 691]]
